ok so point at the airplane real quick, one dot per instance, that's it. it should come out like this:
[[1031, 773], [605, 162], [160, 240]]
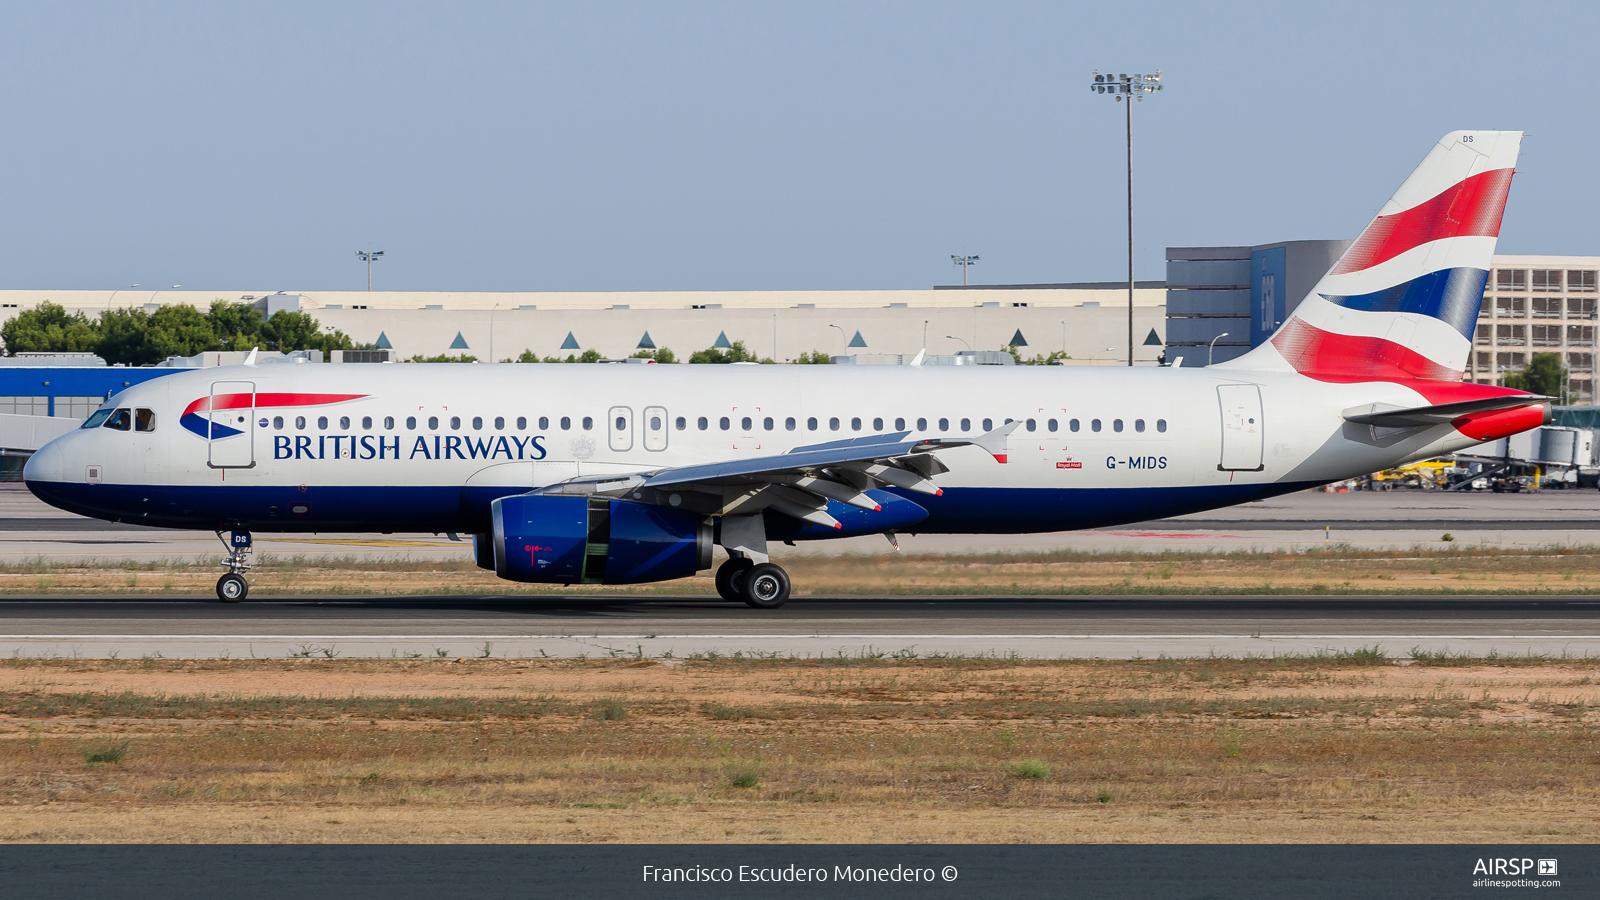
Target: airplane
[[623, 474]]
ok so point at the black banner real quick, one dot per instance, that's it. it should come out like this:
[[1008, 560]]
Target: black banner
[[1009, 872]]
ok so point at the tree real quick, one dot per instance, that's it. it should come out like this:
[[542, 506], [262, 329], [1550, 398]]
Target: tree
[[443, 358], [288, 331], [664, 356], [1544, 375], [124, 338], [179, 330], [813, 358], [736, 352], [588, 356], [237, 326], [48, 329]]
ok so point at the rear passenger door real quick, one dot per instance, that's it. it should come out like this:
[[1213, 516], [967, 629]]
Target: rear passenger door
[[655, 428]]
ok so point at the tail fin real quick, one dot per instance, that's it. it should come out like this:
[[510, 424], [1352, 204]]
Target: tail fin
[[1403, 300]]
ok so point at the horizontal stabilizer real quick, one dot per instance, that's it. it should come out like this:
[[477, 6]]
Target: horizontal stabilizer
[[1423, 416]]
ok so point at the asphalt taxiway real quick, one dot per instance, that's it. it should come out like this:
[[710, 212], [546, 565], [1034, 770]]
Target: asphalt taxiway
[[664, 628]]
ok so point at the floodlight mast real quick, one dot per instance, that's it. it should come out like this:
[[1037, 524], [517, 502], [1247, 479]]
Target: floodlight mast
[[1130, 88], [367, 258], [963, 262]]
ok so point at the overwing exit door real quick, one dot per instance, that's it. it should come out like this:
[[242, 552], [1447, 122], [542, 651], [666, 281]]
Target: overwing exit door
[[231, 418], [1242, 428]]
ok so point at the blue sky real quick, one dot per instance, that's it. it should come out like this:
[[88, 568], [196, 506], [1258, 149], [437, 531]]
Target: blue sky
[[683, 146]]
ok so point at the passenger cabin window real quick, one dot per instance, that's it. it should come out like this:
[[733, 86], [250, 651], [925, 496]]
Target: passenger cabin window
[[899, 424], [655, 423], [745, 424], [922, 424], [121, 420], [1094, 424], [1072, 425], [455, 423], [1138, 425], [300, 423], [789, 423], [366, 423], [588, 423], [767, 423], [277, 422], [1032, 425], [99, 417], [522, 423], [322, 422], [499, 423], [344, 422], [703, 423], [855, 424], [388, 423], [566, 423], [988, 424], [724, 423], [877, 424], [833, 424], [544, 423], [966, 424], [681, 423], [1116, 425], [433, 423], [1161, 425], [1050, 425], [411, 423], [477, 423], [944, 424], [622, 423], [811, 424]]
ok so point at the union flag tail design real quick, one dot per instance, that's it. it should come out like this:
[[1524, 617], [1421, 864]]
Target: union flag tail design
[[1402, 302]]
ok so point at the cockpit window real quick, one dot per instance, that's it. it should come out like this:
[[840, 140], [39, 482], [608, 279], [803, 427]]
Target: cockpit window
[[121, 420], [144, 420], [95, 420]]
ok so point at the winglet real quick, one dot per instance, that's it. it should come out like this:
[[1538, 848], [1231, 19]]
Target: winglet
[[995, 441], [251, 359], [917, 360]]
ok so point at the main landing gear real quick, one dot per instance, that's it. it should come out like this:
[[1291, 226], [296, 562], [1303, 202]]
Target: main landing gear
[[760, 585], [232, 588]]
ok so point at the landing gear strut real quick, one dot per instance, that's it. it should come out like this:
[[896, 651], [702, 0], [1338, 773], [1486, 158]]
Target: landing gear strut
[[749, 576], [232, 588]]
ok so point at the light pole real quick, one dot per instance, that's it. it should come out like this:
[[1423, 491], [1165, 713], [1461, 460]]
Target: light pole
[[159, 290], [964, 262], [774, 337], [491, 330], [842, 339], [1063, 337], [1212, 346], [1129, 88], [962, 340], [116, 292], [925, 333], [368, 258]]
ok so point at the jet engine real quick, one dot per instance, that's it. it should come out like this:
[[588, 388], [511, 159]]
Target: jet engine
[[582, 540]]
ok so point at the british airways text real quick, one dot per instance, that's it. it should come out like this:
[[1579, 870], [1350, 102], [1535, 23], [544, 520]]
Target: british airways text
[[368, 446]]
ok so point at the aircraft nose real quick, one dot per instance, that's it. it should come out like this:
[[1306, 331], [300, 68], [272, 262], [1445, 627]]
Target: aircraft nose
[[45, 464]]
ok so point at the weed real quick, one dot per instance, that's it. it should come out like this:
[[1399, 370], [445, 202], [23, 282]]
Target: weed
[[1104, 796], [609, 711], [105, 753], [1030, 768], [441, 652], [725, 712], [744, 775], [487, 650], [1447, 537], [1232, 745]]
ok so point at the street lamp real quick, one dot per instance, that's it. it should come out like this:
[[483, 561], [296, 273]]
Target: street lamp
[[159, 290], [1129, 88], [962, 340], [116, 292], [964, 262], [1063, 337], [491, 330], [368, 258], [1212, 346], [842, 338]]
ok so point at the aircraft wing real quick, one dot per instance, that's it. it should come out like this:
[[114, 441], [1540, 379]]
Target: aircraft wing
[[798, 483], [1422, 416]]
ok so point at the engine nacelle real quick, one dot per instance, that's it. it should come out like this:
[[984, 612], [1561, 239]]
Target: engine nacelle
[[573, 540]]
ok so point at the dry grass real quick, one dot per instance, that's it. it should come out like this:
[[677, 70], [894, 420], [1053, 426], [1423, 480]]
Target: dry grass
[[1351, 749], [1335, 569]]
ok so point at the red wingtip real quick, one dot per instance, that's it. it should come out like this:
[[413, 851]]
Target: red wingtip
[[938, 492], [877, 509], [1000, 458], [837, 526]]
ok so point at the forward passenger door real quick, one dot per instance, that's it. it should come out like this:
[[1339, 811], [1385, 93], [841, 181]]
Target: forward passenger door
[[230, 437]]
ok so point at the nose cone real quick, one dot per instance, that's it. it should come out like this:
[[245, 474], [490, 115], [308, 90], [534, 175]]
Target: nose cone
[[46, 464]]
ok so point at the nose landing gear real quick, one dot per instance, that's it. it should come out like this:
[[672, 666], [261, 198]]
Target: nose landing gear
[[232, 588]]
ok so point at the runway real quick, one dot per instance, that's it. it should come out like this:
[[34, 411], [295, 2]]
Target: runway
[[1045, 628]]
